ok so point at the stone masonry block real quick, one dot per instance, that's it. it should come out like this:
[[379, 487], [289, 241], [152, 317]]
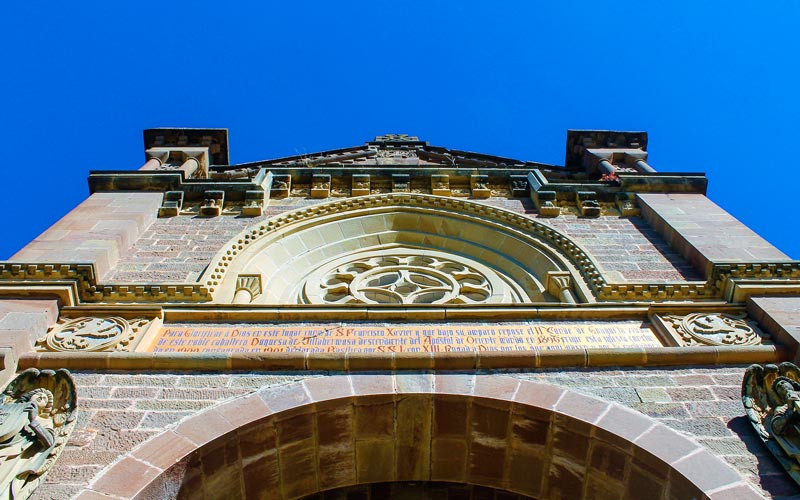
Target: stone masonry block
[[703, 232]]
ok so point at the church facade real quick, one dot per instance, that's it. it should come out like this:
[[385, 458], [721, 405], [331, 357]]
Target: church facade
[[398, 319]]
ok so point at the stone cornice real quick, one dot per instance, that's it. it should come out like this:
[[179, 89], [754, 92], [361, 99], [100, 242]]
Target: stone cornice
[[88, 290]]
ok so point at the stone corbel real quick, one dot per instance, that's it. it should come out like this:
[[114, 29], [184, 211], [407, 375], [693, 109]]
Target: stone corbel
[[248, 287], [212, 203], [587, 203], [253, 203], [320, 186], [545, 202], [281, 186], [626, 204], [559, 284], [519, 185], [440, 185], [479, 185], [172, 204], [360, 185], [401, 183]]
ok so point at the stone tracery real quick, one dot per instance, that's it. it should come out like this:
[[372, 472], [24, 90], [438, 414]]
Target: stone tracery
[[400, 279]]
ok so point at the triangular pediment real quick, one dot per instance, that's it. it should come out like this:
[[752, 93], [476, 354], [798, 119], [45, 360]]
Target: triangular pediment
[[395, 150]]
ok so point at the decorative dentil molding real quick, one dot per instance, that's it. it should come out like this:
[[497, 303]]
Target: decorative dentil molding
[[88, 290]]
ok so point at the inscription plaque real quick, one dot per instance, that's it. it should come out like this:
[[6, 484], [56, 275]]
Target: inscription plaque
[[381, 338]]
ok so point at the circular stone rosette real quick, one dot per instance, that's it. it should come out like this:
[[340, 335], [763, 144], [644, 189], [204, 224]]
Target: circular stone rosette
[[88, 334], [405, 279]]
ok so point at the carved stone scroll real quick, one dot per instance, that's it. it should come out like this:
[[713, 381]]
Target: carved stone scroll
[[37, 415], [771, 399], [92, 334]]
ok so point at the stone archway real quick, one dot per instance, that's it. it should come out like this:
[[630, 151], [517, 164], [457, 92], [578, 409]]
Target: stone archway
[[490, 431]]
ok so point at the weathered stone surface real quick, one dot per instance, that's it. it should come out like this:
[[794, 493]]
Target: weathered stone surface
[[702, 232]]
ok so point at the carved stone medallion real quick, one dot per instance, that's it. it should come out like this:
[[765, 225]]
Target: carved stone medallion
[[714, 329], [771, 399], [91, 334], [37, 415]]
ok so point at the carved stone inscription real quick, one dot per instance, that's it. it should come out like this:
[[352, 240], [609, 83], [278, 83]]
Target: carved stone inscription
[[379, 338]]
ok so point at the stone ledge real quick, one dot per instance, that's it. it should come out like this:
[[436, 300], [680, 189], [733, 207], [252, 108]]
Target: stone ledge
[[354, 362]]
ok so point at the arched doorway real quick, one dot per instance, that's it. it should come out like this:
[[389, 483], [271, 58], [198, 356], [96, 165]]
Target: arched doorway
[[489, 431]]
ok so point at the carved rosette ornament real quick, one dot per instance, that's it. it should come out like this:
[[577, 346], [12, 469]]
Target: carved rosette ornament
[[771, 399], [37, 415], [91, 334], [714, 329], [401, 279]]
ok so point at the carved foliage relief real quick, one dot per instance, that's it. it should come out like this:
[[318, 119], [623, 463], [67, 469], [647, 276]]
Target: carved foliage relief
[[91, 334], [37, 415], [715, 329]]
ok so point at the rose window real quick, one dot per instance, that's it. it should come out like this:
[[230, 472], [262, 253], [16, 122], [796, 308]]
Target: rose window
[[400, 279]]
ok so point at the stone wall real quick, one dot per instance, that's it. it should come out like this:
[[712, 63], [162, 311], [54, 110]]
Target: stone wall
[[179, 248], [100, 230], [703, 232], [119, 411]]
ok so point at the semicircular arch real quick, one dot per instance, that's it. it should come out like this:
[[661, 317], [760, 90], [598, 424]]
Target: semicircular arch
[[488, 253], [494, 431]]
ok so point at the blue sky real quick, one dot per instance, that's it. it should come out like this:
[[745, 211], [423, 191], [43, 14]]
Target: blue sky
[[715, 85]]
